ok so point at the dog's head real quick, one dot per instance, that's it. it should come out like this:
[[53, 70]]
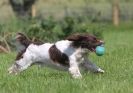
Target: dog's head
[[85, 41]]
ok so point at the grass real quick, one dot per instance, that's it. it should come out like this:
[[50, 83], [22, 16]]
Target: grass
[[117, 63]]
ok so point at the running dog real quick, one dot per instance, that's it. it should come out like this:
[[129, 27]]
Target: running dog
[[69, 54]]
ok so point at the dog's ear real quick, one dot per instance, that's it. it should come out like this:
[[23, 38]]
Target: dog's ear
[[75, 37]]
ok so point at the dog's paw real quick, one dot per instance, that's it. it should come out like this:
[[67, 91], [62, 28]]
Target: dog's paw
[[77, 76], [100, 70], [13, 70], [75, 73]]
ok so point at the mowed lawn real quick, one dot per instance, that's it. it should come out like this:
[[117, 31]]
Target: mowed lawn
[[117, 63]]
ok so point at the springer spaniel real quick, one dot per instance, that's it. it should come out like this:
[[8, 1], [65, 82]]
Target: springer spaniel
[[69, 54]]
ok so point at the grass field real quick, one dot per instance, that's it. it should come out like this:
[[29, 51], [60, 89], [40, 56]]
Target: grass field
[[117, 63]]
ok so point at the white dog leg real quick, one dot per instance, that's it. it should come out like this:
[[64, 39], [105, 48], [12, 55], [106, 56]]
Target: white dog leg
[[16, 68], [21, 64], [74, 70]]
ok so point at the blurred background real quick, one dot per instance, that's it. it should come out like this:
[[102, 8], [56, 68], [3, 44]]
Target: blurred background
[[51, 20]]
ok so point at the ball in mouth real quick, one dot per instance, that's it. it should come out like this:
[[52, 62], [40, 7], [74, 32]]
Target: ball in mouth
[[100, 50]]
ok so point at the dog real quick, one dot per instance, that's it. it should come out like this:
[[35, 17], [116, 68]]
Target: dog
[[69, 54]]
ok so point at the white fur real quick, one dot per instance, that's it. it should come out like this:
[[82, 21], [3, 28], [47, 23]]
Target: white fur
[[39, 53]]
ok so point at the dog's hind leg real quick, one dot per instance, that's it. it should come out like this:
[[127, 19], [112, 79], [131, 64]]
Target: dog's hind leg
[[87, 65], [21, 64]]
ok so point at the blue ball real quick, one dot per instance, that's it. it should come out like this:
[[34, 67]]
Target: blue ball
[[100, 50]]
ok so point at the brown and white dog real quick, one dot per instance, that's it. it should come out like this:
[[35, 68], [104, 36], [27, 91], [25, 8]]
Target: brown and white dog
[[68, 54]]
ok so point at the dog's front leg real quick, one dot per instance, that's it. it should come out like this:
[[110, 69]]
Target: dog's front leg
[[89, 66], [74, 69]]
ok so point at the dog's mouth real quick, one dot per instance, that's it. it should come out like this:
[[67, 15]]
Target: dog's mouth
[[93, 47]]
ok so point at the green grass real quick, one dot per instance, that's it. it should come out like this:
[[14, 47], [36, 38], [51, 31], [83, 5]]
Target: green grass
[[117, 63]]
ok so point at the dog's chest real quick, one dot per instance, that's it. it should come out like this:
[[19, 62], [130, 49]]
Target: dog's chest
[[79, 54]]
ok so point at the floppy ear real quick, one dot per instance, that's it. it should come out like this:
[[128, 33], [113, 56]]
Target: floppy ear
[[75, 37]]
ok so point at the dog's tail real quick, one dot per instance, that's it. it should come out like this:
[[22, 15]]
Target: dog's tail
[[23, 39]]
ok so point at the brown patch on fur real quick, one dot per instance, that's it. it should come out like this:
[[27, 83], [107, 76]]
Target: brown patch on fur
[[79, 40], [57, 56], [20, 54], [75, 37]]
